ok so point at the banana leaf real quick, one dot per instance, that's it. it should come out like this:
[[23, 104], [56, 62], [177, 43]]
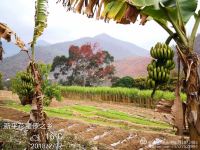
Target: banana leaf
[[41, 14], [117, 9]]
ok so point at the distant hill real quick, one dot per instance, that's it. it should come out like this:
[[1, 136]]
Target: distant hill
[[119, 49], [45, 53], [42, 43], [135, 66]]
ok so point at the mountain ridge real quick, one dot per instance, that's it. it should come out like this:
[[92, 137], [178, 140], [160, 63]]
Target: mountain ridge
[[117, 48]]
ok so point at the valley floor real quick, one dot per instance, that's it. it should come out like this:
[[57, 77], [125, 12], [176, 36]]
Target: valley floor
[[114, 126]]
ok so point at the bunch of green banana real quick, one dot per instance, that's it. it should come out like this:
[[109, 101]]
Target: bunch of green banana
[[161, 51], [27, 84], [170, 64], [27, 77], [158, 73], [160, 67], [151, 82]]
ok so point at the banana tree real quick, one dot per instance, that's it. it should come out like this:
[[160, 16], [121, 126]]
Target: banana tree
[[37, 116], [172, 16]]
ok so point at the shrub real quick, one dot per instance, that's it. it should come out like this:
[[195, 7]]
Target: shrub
[[51, 91], [124, 82]]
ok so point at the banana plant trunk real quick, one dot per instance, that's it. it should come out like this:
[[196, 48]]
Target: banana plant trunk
[[191, 86], [37, 133]]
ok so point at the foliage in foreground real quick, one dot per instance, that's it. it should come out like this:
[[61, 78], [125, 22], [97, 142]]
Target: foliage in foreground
[[117, 94]]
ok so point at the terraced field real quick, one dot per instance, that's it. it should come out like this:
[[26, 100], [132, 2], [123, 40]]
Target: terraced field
[[113, 126]]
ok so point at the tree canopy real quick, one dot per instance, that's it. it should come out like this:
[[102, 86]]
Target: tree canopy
[[86, 66], [124, 82]]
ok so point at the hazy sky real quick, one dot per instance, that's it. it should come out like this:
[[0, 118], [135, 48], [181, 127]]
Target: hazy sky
[[66, 26]]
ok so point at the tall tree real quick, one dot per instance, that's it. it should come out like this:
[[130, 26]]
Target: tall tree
[[172, 16], [86, 66], [58, 61]]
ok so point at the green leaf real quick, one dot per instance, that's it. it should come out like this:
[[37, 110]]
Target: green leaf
[[121, 13], [157, 14], [187, 9], [107, 7], [114, 10], [40, 18], [143, 3]]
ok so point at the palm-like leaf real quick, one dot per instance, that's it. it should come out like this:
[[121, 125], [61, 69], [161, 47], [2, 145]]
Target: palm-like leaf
[[41, 14], [184, 7], [119, 10], [6, 33], [176, 12]]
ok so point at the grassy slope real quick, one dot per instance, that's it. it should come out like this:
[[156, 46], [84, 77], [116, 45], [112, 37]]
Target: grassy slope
[[96, 115]]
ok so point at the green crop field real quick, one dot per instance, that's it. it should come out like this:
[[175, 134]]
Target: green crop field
[[128, 95], [96, 115]]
